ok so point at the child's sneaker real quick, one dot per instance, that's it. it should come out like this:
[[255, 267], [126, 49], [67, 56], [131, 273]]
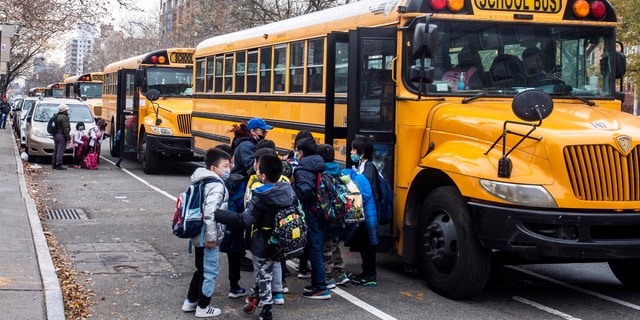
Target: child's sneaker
[[251, 305], [207, 312], [237, 293], [304, 274], [317, 294], [331, 283], [266, 313], [367, 281], [285, 289], [342, 280], [278, 299], [188, 306]]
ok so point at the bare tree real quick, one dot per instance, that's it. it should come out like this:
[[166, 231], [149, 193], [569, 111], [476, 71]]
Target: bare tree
[[39, 25]]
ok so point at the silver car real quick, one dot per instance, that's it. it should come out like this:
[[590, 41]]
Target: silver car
[[39, 143], [19, 114]]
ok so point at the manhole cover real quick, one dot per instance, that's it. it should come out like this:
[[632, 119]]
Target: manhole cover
[[67, 214]]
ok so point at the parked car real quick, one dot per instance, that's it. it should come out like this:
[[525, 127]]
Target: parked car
[[16, 105], [20, 112], [39, 143]]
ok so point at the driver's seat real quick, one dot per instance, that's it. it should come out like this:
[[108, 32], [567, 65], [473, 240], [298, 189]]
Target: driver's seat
[[507, 71]]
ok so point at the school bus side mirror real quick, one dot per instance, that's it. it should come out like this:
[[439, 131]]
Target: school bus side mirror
[[425, 40], [140, 78], [621, 65], [152, 94]]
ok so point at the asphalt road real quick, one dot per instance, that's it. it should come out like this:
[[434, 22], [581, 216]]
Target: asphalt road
[[125, 253]]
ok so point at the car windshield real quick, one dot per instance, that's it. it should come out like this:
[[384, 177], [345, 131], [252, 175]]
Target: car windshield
[[77, 112], [170, 81], [26, 106], [504, 59]]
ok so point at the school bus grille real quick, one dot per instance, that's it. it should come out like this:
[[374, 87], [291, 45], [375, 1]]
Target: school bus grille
[[602, 173], [184, 123]]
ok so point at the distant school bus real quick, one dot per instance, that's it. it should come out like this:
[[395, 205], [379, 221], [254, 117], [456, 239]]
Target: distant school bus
[[87, 87], [497, 123], [54, 90], [150, 130], [37, 92]]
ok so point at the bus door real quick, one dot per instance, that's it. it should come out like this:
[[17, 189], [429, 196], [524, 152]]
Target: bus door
[[127, 106], [336, 90], [371, 94]]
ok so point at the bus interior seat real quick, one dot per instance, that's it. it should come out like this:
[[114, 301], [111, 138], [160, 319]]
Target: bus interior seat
[[468, 58], [507, 71], [533, 65]]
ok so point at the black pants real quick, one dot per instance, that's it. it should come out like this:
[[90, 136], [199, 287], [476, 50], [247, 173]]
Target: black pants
[[234, 268], [368, 255]]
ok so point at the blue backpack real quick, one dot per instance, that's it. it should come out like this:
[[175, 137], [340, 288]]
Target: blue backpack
[[188, 218], [384, 203]]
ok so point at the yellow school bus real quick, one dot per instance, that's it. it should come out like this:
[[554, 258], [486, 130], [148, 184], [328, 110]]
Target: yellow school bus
[[151, 130], [87, 87], [54, 90], [37, 92], [496, 122]]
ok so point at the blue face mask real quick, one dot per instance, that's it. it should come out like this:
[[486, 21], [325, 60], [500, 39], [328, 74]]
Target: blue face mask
[[225, 174], [355, 157]]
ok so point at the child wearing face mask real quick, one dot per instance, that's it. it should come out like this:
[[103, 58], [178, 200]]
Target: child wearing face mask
[[216, 196]]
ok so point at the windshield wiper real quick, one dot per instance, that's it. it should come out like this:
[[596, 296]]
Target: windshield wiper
[[588, 102], [476, 96]]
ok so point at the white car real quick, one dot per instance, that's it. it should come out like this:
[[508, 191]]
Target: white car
[[39, 143], [19, 115]]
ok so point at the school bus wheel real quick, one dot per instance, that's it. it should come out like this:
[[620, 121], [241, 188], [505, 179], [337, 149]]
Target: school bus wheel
[[451, 257], [149, 158], [626, 270]]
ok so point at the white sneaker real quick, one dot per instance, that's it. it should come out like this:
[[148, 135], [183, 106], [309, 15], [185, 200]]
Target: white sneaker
[[207, 312], [188, 306], [278, 299]]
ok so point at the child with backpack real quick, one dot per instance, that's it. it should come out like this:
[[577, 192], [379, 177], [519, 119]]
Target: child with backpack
[[80, 143], [260, 212], [365, 238], [206, 243], [331, 255]]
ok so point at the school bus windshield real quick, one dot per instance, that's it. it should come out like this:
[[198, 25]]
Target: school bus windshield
[[170, 81], [90, 90], [503, 59]]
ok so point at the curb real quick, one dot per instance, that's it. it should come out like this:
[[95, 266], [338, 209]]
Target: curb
[[53, 300]]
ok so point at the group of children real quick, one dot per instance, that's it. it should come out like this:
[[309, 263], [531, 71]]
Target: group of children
[[83, 143], [268, 184]]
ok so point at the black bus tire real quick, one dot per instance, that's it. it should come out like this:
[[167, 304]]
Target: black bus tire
[[451, 257], [149, 159]]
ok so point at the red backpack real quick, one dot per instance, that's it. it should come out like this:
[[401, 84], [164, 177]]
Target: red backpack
[[91, 161]]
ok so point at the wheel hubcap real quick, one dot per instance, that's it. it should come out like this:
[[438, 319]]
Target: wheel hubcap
[[440, 241]]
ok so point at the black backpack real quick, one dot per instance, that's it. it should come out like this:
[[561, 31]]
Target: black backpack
[[289, 235], [52, 126]]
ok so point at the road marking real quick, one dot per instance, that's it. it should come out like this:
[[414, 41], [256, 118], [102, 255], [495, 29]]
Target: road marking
[[347, 296], [585, 291], [168, 195], [351, 298], [545, 308]]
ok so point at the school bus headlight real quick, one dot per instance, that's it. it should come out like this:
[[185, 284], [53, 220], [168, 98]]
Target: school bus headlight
[[522, 194], [581, 8], [455, 5], [161, 131]]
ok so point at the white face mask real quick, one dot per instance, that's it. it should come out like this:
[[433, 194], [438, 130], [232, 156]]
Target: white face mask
[[225, 174]]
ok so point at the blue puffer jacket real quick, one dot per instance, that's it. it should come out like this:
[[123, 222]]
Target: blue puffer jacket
[[369, 206]]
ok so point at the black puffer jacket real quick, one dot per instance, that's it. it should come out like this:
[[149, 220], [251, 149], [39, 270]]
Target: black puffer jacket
[[260, 212]]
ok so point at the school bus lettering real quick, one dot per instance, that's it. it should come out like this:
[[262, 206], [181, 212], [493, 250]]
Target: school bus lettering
[[179, 57], [548, 6]]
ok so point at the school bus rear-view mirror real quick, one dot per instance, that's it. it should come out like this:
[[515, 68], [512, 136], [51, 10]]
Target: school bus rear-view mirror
[[425, 40], [621, 65], [152, 94]]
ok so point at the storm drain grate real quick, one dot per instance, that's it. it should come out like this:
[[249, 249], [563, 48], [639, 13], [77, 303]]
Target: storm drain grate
[[67, 214]]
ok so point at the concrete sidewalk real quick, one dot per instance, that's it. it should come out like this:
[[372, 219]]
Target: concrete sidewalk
[[29, 287]]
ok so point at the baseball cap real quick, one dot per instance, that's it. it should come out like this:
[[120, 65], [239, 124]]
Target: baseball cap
[[256, 123], [62, 108]]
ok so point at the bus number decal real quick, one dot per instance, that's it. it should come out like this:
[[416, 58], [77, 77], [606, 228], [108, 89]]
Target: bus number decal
[[178, 57], [548, 6]]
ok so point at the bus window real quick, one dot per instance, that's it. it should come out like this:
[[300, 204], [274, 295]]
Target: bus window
[[218, 78], [377, 88], [240, 71], [252, 71], [296, 69], [200, 75], [279, 72], [265, 69], [342, 67], [228, 72], [315, 61], [210, 64]]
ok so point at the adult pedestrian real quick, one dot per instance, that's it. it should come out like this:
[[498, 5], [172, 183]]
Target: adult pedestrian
[[5, 108], [61, 137]]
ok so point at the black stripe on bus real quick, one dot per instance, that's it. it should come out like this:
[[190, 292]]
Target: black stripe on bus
[[276, 123], [211, 136]]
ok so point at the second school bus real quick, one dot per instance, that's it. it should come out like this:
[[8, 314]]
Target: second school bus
[[87, 87], [497, 123], [150, 130]]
